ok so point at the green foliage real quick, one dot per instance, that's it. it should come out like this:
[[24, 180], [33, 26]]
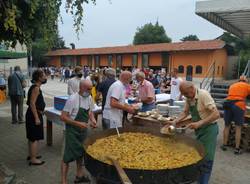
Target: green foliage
[[237, 43], [190, 38], [241, 48], [150, 33], [40, 47], [27, 20], [244, 57]]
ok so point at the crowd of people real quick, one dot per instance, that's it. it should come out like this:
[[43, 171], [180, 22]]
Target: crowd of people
[[111, 89]]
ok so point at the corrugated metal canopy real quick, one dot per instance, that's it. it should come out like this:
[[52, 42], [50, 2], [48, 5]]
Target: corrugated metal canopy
[[231, 15]]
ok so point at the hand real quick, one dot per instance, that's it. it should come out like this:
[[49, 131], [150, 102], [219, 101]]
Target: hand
[[195, 125], [37, 122], [131, 110], [82, 125], [93, 124]]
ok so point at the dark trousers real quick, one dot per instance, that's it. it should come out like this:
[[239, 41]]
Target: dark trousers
[[16, 102]]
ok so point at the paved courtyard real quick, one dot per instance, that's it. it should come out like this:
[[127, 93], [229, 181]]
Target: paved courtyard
[[228, 168]]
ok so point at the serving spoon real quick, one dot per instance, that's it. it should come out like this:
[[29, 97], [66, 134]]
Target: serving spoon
[[172, 130]]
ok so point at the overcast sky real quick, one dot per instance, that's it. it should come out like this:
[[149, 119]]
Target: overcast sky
[[114, 22]]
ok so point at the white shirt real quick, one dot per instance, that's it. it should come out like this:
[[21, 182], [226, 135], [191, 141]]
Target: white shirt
[[117, 91], [73, 85], [174, 90], [75, 101]]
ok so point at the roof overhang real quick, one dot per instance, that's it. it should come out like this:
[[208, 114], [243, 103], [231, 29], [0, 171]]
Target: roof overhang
[[230, 15], [5, 54]]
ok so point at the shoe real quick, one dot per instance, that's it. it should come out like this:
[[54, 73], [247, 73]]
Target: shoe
[[20, 122], [82, 179], [38, 157], [237, 151], [36, 164], [223, 147]]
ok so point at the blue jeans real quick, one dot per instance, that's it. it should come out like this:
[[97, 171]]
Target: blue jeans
[[206, 172], [147, 107]]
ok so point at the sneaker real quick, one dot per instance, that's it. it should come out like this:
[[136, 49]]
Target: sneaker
[[237, 151], [223, 147]]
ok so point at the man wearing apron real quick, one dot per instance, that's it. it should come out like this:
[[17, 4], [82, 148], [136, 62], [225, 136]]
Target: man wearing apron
[[201, 106], [77, 112]]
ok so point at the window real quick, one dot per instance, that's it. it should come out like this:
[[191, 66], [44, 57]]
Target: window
[[145, 60], [89, 58], [135, 60], [97, 61], [218, 70], [119, 61], [198, 69], [181, 69], [110, 60], [222, 70], [189, 74]]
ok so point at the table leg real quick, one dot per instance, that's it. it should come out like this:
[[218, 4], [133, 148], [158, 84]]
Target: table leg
[[49, 133]]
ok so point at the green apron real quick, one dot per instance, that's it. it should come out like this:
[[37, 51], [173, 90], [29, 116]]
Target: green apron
[[206, 134], [74, 137]]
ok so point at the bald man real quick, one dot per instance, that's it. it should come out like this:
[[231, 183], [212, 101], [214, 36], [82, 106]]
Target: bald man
[[201, 106], [115, 102], [76, 114]]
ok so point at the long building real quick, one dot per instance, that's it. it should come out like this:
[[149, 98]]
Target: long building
[[192, 58]]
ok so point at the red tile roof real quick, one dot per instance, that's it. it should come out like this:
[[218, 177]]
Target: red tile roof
[[160, 47]]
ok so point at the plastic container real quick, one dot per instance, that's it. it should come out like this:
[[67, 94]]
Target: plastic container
[[59, 102]]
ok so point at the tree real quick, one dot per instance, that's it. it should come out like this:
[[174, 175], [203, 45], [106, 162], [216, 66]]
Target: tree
[[237, 43], [241, 48], [22, 20], [190, 38], [40, 47], [150, 33]]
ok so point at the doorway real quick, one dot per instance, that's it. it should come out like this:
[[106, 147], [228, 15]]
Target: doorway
[[189, 74]]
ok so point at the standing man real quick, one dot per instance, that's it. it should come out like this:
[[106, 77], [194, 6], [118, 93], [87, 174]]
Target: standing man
[[153, 80], [103, 87], [66, 74], [201, 106], [175, 93], [77, 112], [16, 83], [115, 102], [73, 83], [146, 92], [234, 110]]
